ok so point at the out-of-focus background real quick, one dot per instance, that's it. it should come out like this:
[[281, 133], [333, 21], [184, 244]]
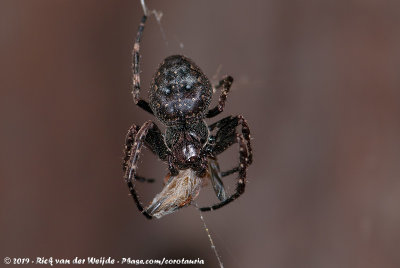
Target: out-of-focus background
[[318, 82]]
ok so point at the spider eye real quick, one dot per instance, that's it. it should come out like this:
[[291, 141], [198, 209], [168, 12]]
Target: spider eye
[[188, 86]]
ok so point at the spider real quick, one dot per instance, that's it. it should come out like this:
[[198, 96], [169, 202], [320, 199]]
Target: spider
[[180, 95]]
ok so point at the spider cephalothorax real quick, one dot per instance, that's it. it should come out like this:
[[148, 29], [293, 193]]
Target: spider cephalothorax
[[186, 142], [180, 95]]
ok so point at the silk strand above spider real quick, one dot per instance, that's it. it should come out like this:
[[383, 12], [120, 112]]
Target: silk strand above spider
[[180, 95]]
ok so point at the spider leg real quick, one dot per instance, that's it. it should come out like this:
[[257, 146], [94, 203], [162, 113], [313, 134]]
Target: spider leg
[[226, 136], [225, 83], [130, 170], [154, 141], [229, 172], [243, 152], [127, 152], [136, 69]]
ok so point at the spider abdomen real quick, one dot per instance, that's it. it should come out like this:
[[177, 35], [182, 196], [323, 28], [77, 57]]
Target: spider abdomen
[[179, 92]]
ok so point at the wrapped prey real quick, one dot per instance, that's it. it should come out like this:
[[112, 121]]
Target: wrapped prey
[[179, 191]]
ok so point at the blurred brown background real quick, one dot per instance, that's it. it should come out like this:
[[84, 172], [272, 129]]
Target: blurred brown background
[[317, 81]]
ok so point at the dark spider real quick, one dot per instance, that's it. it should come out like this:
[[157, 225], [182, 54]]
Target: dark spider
[[180, 94]]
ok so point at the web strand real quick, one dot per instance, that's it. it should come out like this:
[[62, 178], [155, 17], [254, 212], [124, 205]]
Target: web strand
[[158, 15], [221, 265]]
